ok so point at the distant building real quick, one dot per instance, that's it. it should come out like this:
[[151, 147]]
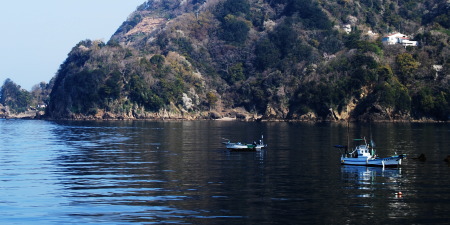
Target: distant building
[[437, 68], [398, 38], [347, 28], [371, 35]]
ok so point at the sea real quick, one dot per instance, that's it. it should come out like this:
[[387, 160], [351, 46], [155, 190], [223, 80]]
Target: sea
[[179, 172]]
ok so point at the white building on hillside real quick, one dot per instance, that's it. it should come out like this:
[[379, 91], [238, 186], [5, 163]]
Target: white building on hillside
[[398, 38], [347, 28]]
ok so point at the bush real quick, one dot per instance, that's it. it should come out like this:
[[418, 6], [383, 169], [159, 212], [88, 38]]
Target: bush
[[366, 46], [157, 60]]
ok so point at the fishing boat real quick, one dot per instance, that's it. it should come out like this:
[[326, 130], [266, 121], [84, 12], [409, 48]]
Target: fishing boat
[[238, 146], [365, 155]]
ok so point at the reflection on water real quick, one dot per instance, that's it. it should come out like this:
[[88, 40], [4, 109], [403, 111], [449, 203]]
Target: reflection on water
[[370, 178], [373, 191], [142, 172]]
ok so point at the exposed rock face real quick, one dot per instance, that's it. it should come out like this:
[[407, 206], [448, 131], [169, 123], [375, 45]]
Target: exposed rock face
[[172, 113], [4, 111], [146, 26], [29, 114]]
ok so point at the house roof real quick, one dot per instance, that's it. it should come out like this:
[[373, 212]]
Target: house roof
[[398, 35]]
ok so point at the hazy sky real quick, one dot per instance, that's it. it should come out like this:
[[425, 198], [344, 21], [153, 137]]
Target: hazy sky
[[36, 36]]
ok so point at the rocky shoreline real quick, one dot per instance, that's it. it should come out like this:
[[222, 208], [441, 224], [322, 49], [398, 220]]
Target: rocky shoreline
[[222, 114], [233, 115]]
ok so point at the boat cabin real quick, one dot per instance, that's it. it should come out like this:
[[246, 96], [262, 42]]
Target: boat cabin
[[362, 151]]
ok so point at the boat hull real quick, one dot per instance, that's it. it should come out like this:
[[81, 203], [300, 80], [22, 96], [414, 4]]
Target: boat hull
[[393, 161], [244, 147]]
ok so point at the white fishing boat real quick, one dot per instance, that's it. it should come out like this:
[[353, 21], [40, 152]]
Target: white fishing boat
[[365, 155], [238, 146]]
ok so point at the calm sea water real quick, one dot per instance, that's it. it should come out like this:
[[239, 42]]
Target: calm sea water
[[145, 172]]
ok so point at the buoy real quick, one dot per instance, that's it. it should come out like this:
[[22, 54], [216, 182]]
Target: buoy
[[399, 194]]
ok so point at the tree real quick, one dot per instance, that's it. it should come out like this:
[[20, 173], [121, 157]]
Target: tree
[[442, 107], [40, 94], [212, 99], [111, 87], [236, 72], [267, 54], [233, 7], [432, 103], [406, 65], [309, 13], [284, 38], [234, 29], [157, 60], [384, 73], [142, 95]]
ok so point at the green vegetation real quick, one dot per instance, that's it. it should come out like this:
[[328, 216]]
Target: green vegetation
[[13, 96], [212, 99], [309, 13], [282, 59], [234, 26], [19, 100], [234, 29], [432, 103]]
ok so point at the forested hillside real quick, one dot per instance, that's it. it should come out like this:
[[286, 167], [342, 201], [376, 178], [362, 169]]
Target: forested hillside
[[18, 102], [261, 59]]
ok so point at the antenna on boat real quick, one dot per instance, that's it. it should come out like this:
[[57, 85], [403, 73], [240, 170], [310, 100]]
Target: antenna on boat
[[372, 143], [348, 132]]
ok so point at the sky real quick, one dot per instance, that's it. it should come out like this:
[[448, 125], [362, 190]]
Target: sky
[[36, 36]]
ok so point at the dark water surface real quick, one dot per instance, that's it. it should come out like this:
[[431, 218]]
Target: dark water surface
[[145, 172]]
